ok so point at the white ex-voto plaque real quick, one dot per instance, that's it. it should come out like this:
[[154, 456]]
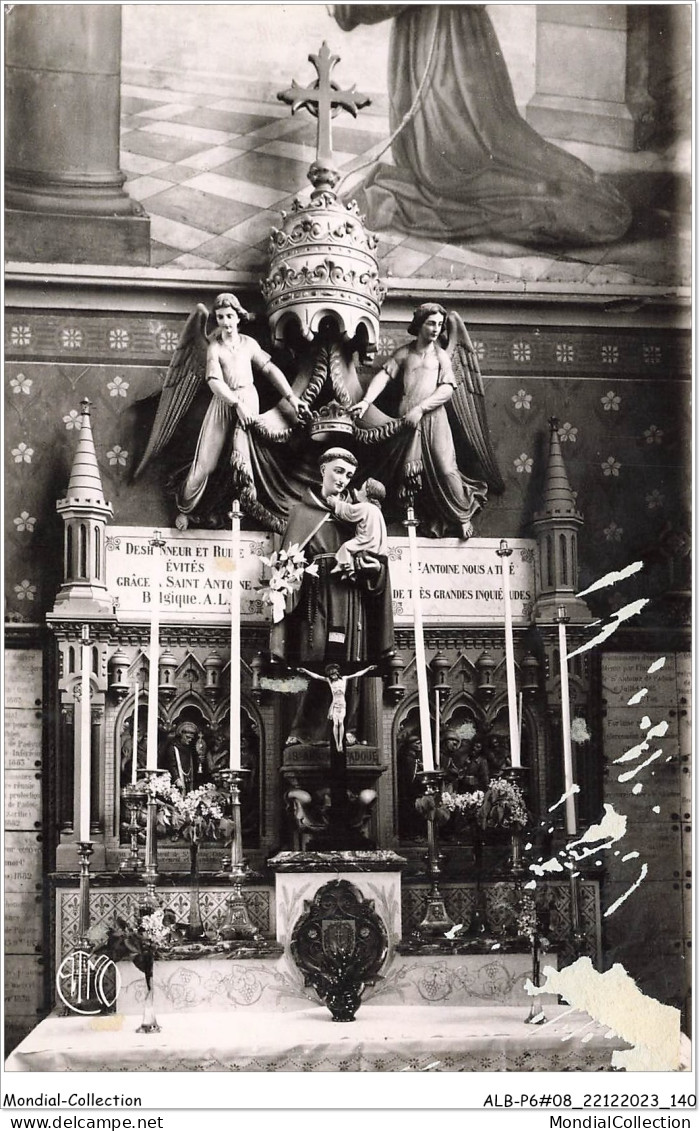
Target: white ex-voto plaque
[[460, 582]]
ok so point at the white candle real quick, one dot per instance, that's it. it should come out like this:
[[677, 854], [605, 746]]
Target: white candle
[[504, 553], [135, 734], [566, 728], [153, 657], [85, 751], [437, 728], [235, 708], [421, 674]]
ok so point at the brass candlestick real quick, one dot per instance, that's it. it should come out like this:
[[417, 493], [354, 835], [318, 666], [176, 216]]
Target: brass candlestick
[[149, 900], [133, 795], [237, 926], [436, 921], [84, 853]]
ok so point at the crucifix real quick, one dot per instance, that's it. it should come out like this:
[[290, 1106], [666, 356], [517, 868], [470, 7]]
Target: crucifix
[[324, 100]]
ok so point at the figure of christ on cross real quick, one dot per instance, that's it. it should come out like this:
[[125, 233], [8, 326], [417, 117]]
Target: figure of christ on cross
[[338, 707]]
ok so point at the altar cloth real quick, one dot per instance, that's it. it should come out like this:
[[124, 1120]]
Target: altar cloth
[[381, 1039]]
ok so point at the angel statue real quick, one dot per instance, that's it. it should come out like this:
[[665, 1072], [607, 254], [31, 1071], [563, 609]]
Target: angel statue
[[226, 359], [441, 400]]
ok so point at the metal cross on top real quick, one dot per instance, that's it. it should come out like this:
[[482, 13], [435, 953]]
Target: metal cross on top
[[324, 100]]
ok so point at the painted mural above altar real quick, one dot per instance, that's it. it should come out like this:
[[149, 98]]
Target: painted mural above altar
[[460, 582]]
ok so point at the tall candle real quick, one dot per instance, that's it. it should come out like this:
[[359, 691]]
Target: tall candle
[[437, 728], [421, 674], [85, 745], [566, 726], [235, 665], [135, 735], [153, 657], [504, 553]]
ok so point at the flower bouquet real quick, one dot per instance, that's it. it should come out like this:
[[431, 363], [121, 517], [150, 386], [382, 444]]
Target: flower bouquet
[[503, 807], [194, 817], [143, 942], [287, 569], [467, 804]]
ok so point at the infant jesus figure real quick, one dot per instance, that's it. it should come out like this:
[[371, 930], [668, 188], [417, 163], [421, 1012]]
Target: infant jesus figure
[[368, 520]]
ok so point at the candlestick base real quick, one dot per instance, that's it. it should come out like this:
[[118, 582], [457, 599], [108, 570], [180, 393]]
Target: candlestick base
[[149, 899], [85, 851], [237, 925], [436, 922], [578, 934], [133, 795]]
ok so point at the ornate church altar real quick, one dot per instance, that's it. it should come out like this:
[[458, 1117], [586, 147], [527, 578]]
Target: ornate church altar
[[321, 673]]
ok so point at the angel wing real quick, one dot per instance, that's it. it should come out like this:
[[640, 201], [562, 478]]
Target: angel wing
[[466, 406], [185, 375]]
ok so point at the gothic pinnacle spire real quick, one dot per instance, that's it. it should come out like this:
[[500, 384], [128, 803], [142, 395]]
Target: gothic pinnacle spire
[[556, 524], [85, 513], [557, 498], [85, 483]]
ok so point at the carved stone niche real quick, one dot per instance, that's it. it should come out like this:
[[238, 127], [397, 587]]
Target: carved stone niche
[[340, 944]]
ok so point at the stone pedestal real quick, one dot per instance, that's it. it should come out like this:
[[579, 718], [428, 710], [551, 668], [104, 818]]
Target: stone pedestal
[[313, 771], [299, 875], [64, 191], [592, 75]]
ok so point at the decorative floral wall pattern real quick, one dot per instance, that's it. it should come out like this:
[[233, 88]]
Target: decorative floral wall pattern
[[623, 408]]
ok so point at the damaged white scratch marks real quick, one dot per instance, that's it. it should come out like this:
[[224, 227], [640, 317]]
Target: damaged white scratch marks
[[656, 665], [638, 696], [612, 578], [626, 613], [569, 793], [633, 773], [635, 751], [613, 1000], [552, 865], [291, 685], [613, 826], [625, 895], [579, 730]]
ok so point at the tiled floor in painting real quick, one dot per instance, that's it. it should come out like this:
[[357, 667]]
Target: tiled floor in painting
[[214, 174]]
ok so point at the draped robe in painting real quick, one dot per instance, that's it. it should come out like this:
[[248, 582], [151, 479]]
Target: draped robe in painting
[[466, 164]]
